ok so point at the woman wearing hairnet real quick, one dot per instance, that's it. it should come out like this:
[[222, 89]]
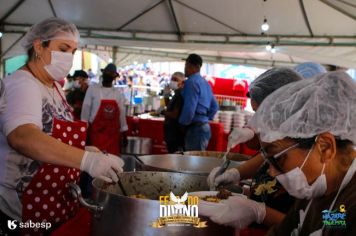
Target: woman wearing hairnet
[[308, 130], [41, 147], [265, 188]]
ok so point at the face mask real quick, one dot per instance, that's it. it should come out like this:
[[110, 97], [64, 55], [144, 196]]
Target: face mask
[[60, 65], [173, 85], [296, 184], [76, 84]]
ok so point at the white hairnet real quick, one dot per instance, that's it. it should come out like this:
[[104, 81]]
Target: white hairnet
[[304, 109], [310, 69], [49, 29], [270, 81]]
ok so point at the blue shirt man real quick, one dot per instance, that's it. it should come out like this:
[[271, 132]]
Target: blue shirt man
[[199, 106]]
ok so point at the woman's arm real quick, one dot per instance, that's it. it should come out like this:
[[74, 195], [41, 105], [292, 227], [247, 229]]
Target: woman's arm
[[29, 140], [253, 143], [250, 167], [273, 217]]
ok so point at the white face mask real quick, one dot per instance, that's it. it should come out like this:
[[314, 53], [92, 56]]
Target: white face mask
[[61, 63], [173, 85], [296, 184], [76, 84]]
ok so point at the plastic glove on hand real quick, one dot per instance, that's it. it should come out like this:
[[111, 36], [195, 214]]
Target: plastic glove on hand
[[230, 176], [99, 165], [239, 135], [236, 211]]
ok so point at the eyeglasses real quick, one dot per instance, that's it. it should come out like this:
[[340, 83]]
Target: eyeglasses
[[274, 159]]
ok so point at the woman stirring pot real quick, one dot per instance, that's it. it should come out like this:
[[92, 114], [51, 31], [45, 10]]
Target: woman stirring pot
[[41, 148]]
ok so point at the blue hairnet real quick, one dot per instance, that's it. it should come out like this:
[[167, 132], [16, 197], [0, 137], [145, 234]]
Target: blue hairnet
[[309, 69]]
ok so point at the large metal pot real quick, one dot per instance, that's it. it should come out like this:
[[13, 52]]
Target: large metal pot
[[182, 163], [138, 146], [117, 214], [230, 156]]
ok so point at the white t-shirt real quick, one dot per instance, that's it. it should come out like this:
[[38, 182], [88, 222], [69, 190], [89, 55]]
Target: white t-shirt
[[93, 97], [28, 102]]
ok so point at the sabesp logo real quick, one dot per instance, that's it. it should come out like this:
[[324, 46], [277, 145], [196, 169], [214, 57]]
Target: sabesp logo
[[11, 224]]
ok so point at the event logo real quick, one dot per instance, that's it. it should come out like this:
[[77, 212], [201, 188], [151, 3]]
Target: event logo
[[335, 218], [11, 224], [178, 211]]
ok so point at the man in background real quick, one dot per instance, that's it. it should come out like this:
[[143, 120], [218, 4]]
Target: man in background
[[199, 106], [76, 96], [173, 132]]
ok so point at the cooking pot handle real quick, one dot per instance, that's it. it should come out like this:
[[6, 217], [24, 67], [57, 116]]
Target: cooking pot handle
[[77, 193]]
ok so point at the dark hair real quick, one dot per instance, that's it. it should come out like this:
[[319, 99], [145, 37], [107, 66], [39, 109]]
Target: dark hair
[[307, 143], [80, 73], [31, 51]]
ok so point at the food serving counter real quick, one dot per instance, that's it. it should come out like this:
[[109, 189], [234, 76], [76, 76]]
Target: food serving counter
[[152, 127]]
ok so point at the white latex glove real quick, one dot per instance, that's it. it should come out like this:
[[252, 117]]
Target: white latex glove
[[236, 211], [239, 135], [229, 176], [99, 165]]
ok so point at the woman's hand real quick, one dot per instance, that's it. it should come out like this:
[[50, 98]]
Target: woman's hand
[[99, 165], [230, 176], [236, 211]]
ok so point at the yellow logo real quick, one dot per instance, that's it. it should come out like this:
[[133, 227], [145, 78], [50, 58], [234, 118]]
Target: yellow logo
[[266, 188], [178, 211], [342, 209]]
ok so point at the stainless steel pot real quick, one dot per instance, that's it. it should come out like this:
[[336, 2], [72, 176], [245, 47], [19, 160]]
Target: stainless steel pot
[[230, 156], [120, 215], [138, 145], [182, 163]]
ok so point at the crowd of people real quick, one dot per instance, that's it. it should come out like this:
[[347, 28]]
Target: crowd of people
[[304, 130]]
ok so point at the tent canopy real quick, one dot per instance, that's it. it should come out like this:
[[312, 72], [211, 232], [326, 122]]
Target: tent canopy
[[226, 31]]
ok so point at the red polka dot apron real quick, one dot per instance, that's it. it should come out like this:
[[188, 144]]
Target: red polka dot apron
[[47, 197], [105, 129]]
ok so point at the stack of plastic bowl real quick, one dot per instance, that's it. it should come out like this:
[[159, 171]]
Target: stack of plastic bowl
[[239, 119], [226, 117]]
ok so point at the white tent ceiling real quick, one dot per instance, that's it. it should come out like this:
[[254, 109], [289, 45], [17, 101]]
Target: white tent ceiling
[[225, 31]]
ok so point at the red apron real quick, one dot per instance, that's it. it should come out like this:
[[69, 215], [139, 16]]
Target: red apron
[[105, 129], [47, 197]]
